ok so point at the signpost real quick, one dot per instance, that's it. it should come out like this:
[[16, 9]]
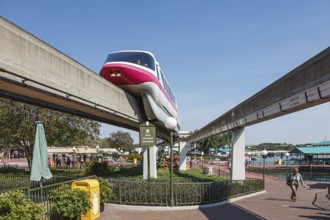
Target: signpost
[[148, 139], [147, 135]]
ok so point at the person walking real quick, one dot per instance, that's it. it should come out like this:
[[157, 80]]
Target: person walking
[[294, 180], [68, 162]]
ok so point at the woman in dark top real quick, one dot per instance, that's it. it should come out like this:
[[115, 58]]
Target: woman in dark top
[[294, 181]]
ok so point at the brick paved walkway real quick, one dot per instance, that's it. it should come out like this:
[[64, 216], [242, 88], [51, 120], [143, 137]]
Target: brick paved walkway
[[274, 204]]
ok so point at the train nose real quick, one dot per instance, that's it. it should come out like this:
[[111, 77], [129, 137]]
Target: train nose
[[115, 74]]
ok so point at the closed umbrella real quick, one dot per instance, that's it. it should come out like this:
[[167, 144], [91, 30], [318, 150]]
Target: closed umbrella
[[40, 156]]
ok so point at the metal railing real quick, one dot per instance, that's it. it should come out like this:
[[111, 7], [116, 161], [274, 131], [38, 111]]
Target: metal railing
[[17, 181], [216, 170], [39, 195], [191, 193]]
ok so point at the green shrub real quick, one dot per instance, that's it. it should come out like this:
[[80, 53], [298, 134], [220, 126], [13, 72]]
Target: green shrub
[[106, 190], [12, 181], [98, 169], [7, 169], [70, 203], [67, 172], [130, 157], [15, 205]]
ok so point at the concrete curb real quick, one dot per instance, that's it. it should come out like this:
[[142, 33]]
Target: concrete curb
[[178, 208]]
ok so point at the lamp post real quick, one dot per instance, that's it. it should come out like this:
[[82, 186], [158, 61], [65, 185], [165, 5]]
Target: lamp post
[[202, 153], [195, 160], [74, 156], [171, 124], [219, 163], [287, 157], [122, 161], [97, 153], [264, 155]]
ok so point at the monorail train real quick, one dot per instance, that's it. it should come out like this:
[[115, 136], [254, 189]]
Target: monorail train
[[139, 73]]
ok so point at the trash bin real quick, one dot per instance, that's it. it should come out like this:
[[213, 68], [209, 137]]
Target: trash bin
[[279, 162], [92, 186], [208, 170]]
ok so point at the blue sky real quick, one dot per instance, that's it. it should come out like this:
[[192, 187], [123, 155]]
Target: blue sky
[[215, 54]]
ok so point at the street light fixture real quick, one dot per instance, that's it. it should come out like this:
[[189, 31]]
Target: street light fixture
[[249, 159], [287, 157], [219, 163], [195, 160], [228, 162], [171, 123], [264, 156], [97, 152], [202, 153]]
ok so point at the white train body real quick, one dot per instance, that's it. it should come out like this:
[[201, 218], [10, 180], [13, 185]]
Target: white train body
[[139, 73]]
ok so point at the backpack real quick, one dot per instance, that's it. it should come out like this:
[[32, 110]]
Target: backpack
[[289, 180]]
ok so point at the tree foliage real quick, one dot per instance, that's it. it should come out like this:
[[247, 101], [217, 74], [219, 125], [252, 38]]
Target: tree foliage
[[106, 143], [214, 142], [272, 146], [17, 127], [120, 139]]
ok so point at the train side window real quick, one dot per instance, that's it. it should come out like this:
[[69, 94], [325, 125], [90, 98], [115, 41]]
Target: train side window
[[163, 80], [159, 76]]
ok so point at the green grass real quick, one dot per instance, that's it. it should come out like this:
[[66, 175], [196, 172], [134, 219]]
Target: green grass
[[115, 172], [191, 175]]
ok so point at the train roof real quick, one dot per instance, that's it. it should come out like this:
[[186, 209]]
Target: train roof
[[139, 51]]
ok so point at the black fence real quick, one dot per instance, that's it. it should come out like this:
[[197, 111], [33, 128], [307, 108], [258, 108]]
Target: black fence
[[15, 181], [192, 193], [37, 194]]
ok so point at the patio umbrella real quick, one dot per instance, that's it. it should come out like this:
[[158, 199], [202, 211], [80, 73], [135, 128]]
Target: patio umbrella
[[40, 156]]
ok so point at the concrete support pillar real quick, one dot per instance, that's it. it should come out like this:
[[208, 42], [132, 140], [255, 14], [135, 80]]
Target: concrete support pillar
[[183, 148], [238, 154], [153, 162]]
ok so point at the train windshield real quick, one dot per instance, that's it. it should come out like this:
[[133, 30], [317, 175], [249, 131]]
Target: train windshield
[[140, 58]]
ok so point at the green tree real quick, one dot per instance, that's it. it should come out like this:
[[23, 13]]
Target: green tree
[[106, 143], [122, 140], [17, 127], [214, 142]]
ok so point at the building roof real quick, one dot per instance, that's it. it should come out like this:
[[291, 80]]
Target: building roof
[[80, 150], [323, 143], [311, 150], [225, 148]]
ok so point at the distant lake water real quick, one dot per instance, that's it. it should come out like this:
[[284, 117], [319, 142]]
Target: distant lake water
[[281, 173], [309, 176]]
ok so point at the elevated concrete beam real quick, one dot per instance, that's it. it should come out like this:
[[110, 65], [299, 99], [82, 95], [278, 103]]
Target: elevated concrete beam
[[306, 86], [34, 72]]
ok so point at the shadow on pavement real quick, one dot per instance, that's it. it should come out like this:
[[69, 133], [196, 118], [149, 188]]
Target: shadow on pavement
[[228, 212], [303, 207], [322, 216], [275, 199], [319, 186]]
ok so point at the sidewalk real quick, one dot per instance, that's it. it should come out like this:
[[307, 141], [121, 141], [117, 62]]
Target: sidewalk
[[274, 204]]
